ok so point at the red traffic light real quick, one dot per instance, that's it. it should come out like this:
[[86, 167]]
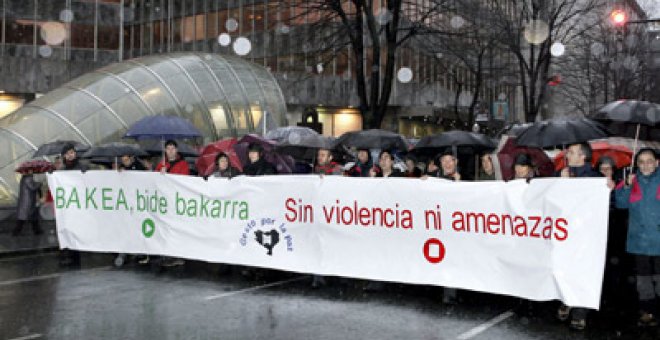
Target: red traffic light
[[618, 17]]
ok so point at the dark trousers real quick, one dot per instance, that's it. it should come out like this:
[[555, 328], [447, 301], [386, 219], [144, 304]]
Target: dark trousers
[[36, 228], [647, 272]]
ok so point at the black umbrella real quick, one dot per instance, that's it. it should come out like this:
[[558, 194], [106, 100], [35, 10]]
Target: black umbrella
[[466, 141], [630, 111], [305, 147], [155, 147], [515, 129], [631, 118], [55, 148], [466, 146], [372, 139], [561, 132], [116, 149]]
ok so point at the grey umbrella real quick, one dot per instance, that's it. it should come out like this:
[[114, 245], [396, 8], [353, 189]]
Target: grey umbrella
[[55, 148], [290, 134], [372, 139]]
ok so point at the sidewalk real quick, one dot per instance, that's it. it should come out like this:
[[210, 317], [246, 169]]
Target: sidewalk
[[26, 242]]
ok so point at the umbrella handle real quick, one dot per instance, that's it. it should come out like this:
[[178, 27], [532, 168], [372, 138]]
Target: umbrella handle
[[632, 164]]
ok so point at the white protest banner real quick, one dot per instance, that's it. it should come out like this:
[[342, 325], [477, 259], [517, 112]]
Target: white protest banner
[[541, 241]]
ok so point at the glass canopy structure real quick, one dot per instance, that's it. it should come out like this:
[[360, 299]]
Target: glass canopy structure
[[223, 96]]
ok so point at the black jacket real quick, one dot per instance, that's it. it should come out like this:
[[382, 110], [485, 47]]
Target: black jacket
[[582, 171], [395, 173], [259, 168], [135, 166], [75, 165]]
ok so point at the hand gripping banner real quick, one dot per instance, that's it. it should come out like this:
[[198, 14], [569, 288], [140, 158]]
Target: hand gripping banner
[[541, 240]]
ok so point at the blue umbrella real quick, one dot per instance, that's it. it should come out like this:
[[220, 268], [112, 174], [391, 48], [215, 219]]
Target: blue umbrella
[[162, 127]]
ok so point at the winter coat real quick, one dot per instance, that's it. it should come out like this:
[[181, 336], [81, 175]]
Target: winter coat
[[439, 174], [360, 169], [259, 168], [135, 166], [29, 189], [483, 176], [75, 165], [642, 199], [331, 168], [582, 171], [178, 166], [227, 173], [395, 173], [416, 173]]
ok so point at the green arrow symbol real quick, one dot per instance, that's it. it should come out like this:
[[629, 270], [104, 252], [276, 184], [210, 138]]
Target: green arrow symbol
[[148, 227]]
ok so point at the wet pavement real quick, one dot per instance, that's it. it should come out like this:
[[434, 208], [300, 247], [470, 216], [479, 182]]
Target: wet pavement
[[26, 241], [41, 299]]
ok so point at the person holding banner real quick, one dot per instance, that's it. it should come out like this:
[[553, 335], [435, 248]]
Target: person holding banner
[[324, 163], [70, 162], [578, 157], [128, 162], [324, 167], [173, 163], [523, 167], [618, 264], [448, 167], [362, 166], [487, 171], [448, 170], [257, 166], [385, 167], [640, 194], [223, 167], [412, 171], [432, 169]]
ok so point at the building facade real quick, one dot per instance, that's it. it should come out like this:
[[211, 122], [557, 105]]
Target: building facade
[[46, 43]]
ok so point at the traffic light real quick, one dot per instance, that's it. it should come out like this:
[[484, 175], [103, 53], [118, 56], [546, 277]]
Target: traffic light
[[619, 18]]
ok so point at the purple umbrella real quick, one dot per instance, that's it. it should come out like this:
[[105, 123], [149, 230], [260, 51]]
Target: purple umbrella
[[162, 127], [283, 163]]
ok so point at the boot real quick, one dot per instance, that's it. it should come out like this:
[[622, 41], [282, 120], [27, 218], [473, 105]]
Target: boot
[[17, 229], [36, 228]]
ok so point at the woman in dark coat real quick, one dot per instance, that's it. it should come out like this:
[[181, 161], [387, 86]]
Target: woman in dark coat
[[29, 191]]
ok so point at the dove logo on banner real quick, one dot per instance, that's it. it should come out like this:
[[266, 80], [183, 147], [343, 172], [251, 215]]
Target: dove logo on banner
[[267, 234]]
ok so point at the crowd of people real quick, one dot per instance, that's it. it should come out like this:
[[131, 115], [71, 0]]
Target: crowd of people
[[634, 211]]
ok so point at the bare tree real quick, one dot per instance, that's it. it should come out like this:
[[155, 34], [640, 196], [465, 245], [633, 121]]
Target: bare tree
[[529, 28], [466, 40], [374, 34], [604, 64]]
